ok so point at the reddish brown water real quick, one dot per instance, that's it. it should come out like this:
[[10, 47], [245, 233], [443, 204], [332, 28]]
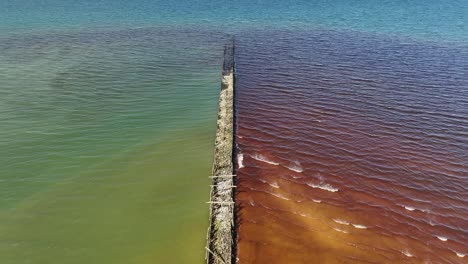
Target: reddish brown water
[[351, 148]]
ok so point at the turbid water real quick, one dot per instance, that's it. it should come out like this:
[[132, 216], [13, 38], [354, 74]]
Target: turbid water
[[354, 149], [108, 113]]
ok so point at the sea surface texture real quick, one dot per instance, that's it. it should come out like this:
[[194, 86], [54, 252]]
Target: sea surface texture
[[351, 148], [352, 131], [106, 145]]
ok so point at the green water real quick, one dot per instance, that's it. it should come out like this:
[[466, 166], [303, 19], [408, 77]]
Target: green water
[[106, 146]]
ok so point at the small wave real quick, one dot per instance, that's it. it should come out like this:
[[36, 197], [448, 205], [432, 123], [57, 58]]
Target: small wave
[[360, 226], [43, 133], [326, 187], [410, 208], [341, 222], [340, 230], [316, 201], [280, 196], [406, 253], [303, 215], [441, 238], [296, 166], [240, 160], [274, 185], [460, 255], [262, 158]]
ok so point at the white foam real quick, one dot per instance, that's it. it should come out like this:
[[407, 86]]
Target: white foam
[[441, 238], [341, 222], [460, 255], [240, 160], [316, 201], [280, 196], [262, 180], [360, 226], [406, 253], [326, 187], [296, 166], [274, 185], [262, 158], [342, 231], [410, 208]]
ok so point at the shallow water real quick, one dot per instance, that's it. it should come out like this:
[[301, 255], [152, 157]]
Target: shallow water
[[106, 145], [108, 112], [354, 148]]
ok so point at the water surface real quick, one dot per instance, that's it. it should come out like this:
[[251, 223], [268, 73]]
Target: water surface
[[106, 145], [353, 147], [108, 114]]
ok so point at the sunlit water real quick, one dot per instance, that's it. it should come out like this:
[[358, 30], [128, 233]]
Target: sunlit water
[[106, 145], [354, 149], [108, 113]]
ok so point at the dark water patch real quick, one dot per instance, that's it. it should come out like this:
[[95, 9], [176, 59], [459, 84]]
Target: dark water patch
[[366, 134]]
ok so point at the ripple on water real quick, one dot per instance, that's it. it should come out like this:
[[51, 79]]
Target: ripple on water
[[262, 158], [387, 155], [323, 186]]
